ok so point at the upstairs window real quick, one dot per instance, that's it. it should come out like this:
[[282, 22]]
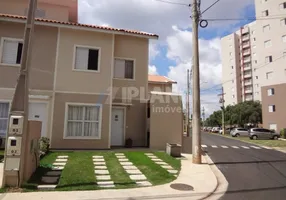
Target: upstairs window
[[11, 51], [283, 22], [269, 75], [87, 59], [282, 6], [265, 13], [124, 69], [267, 43], [268, 59], [266, 28], [270, 92], [284, 38], [271, 108]]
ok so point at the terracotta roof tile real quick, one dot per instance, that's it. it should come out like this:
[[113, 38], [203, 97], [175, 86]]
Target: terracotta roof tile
[[160, 79], [82, 25]]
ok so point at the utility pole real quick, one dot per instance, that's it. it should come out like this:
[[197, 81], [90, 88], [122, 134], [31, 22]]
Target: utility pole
[[20, 100], [203, 115], [196, 128], [222, 109], [188, 103]]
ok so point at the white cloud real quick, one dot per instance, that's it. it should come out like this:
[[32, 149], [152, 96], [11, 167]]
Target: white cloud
[[152, 70], [180, 49], [153, 50]]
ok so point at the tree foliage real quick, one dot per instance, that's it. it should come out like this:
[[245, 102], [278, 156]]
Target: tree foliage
[[239, 114]]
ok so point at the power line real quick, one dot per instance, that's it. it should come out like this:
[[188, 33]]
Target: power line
[[256, 68], [210, 7], [174, 3], [274, 17]]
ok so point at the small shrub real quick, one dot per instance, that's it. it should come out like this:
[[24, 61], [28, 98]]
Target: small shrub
[[44, 146], [283, 133]]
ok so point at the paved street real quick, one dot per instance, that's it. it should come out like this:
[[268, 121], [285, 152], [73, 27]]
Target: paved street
[[253, 172]]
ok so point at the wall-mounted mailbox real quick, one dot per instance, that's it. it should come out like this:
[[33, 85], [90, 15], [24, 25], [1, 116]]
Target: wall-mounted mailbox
[[14, 146], [16, 124]]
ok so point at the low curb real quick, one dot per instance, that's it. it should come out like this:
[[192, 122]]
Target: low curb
[[222, 184]]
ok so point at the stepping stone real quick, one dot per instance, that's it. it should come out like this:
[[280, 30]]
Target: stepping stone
[[103, 178], [46, 187], [161, 163], [119, 154], [97, 156], [143, 183], [133, 171], [149, 154], [50, 180], [107, 186], [98, 160], [101, 171], [100, 167], [105, 183], [123, 160], [57, 168], [120, 157], [61, 160], [173, 171], [166, 166], [138, 177], [59, 164], [62, 157], [99, 163], [126, 163], [157, 159], [152, 157], [126, 167]]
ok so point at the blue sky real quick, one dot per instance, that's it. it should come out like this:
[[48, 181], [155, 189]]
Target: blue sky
[[171, 55]]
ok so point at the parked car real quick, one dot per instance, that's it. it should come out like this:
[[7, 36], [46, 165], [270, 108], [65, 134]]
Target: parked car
[[262, 133], [237, 132], [215, 130]]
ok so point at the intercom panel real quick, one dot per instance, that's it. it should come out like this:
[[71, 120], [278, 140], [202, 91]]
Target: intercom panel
[[14, 146], [16, 124]]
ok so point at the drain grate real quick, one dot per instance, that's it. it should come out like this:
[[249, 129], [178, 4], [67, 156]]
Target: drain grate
[[181, 187]]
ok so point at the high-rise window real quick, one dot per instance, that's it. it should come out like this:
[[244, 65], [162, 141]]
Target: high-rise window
[[266, 28], [268, 59], [268, 43], [269, 75], [265, 13], [282, 6]]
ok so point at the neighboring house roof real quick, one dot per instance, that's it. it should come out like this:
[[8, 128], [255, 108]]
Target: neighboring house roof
[[160, 79], [79, 25]]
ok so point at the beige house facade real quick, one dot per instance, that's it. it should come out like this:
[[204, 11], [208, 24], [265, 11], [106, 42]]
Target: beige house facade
[[88, 84]]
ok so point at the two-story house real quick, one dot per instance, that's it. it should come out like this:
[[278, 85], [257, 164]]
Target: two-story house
[[160, 83], [88, 84]]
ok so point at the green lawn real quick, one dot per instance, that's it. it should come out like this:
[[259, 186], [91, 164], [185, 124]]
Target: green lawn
[[268, 143], [78, 173]]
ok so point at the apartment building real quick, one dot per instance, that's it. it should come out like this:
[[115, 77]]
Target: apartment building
[[79, 75], [254, 61], [255, 55]]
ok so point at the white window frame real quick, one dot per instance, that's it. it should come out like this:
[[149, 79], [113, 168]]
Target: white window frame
[[270, 108], [82, 137], [270, 43], [1, 50], [284, 38], [270, 92], [86, 70], [264, 13], [267, 59], [134, 68], [9, 102], [268, 29]]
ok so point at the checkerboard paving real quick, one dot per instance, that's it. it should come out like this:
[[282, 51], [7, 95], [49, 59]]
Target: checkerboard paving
[[102, 175]]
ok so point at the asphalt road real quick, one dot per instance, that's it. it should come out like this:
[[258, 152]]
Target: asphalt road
[[253, 172]]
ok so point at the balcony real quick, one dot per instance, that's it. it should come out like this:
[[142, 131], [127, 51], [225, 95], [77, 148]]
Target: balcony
[[248, 91], [246, 68], [246, 52], [248, 98], [245, 38], [247, 83], [246, 60], [249, 75], [244, 30], [245, 45]]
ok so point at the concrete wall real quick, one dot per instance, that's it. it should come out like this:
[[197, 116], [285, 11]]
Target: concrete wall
[[67, 78], [43, 56], [135, 49], [164, 87], [18, 7], [278, 99], [166, 125], [58, 141]]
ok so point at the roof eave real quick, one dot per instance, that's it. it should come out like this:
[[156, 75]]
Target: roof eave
[[78, 27]]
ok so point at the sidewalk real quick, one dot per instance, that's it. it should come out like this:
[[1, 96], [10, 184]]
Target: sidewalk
[[200, 177]]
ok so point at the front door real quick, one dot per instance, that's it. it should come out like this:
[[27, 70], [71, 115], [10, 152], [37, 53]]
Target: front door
[[39, 112], [117, 127]]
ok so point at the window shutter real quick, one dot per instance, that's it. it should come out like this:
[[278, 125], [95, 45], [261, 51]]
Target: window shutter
[[10, 52], [129, 69], [119, 68], [81, 58]]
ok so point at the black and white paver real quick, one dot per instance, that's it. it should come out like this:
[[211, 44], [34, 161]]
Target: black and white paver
[[134, 173], [103, 178], [235, 147], [163, 164]]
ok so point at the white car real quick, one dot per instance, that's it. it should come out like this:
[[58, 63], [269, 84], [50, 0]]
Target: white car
[[215, 129]]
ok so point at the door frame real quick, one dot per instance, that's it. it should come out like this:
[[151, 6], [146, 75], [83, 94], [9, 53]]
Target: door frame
[[47, 114], [124, 122]]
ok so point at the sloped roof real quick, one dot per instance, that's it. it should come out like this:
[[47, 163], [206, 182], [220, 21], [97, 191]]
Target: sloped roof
[[133, 32], [160, 79]]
